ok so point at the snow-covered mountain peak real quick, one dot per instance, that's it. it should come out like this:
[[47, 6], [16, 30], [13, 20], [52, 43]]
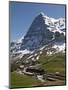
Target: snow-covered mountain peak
[[42, 14], [44, 31], [50, 21]]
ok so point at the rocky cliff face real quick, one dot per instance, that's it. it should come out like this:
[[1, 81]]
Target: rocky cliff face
[[42, 30]]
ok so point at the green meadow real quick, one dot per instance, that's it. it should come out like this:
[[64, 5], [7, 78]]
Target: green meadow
[[52, 64]]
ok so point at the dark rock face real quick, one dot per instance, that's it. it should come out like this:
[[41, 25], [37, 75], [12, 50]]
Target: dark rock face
[[42, 31], [12, 44], [59, 37], [37, 35]]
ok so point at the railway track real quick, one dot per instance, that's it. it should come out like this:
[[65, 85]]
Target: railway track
[[53, 77]]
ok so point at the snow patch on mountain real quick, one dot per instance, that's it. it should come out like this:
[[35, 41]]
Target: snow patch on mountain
[[23, 51], [59, 47], [20, 40]]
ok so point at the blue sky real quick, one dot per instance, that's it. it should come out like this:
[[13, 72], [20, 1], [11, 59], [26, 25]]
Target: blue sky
[[22, 14]]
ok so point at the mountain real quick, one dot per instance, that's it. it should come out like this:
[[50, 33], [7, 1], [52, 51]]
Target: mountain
[[45, 32], [42, 31]]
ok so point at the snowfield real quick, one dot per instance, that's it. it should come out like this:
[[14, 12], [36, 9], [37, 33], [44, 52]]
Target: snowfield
[[59, 47]]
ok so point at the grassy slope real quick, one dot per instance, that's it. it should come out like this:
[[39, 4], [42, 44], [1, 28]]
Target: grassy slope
[[56, 64], [19, 80]]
